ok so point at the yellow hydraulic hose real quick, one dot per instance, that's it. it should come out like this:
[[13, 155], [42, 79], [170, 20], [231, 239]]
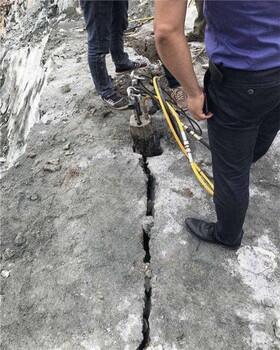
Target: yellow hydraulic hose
[[201, 176], [141, 19], [182, 128]]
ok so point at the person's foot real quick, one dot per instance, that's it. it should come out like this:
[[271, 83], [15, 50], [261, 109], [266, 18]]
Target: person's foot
[[191, 36], [180, 98], [135, 65], [116, 101], [205, 231]]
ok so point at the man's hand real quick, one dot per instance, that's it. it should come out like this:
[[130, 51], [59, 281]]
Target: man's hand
[[195, 104]]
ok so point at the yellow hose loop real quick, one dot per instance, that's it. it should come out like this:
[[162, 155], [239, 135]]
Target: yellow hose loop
[[201, 176], [182, 127], [167, 118], [179, 123], [201, 172]]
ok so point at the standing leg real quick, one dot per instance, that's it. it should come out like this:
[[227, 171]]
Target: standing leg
[[232, 146], [197, 34], [237, 133], [98, 18], [119, 25], [172, 82], [200, 21]]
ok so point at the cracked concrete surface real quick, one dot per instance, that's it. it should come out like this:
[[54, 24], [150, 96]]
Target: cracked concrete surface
[[72, 238], [77, 275], [94, 254], [205, 296], [72, 269]]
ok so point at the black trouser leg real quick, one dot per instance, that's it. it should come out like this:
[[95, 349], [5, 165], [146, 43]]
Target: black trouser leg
[[119, 25], [268, 130], [98, 19], [246, 119], [172, 82]]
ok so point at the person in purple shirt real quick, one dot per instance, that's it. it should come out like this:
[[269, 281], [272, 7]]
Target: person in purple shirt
[[242, 86]]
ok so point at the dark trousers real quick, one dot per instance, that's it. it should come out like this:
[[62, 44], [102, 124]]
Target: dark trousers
[[172, 82], [246, 108], [106, 22]]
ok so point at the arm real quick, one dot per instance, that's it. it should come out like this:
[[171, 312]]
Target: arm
[[174, 51]]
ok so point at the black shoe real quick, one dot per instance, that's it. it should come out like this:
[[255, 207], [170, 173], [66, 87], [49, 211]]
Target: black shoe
[[116, 101], [135, 65], [205, 231]]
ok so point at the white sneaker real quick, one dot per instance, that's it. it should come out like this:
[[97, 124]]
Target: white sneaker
[[116, 101]]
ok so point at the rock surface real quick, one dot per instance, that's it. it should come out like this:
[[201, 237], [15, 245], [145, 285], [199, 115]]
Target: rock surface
[[94, 252]]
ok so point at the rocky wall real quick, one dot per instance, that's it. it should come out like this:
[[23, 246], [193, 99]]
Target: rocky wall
[[25, 68]]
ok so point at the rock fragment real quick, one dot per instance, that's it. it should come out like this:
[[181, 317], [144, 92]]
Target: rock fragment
[[19, 240], [5, 273], [55, 161], [52, 165], [4, 107], [31, 154], [33, 197], [267, 302], [69, 153], [8, 253], [65, 89], [148, 271], [148, 223], [52, 168]]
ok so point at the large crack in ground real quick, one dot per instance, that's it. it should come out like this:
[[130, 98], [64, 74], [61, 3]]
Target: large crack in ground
[[147, 258]]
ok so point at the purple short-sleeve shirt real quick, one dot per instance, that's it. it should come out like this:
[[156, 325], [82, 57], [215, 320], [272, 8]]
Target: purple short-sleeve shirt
[[243, 34]]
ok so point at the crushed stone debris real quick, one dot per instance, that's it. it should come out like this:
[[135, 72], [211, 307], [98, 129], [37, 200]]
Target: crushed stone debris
[[31, 155], [65, 89], [5, 273], [51, 167], [66, 146], [9, 253], [33, 197], [19, 240]]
